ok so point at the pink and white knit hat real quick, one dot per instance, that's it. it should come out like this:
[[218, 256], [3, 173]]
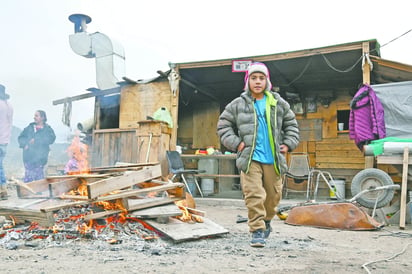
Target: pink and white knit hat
[[258, 67]]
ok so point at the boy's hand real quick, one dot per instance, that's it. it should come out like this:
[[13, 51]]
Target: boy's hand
[[241, 146], [284, 149]]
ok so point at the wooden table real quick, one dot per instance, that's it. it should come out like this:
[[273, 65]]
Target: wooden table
[[227, 171]]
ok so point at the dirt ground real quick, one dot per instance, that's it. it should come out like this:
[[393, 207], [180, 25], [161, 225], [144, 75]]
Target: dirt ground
[[289, 249]]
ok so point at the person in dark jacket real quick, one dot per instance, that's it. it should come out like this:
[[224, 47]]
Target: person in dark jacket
[[261, 127], [35, 140], [6, 125]]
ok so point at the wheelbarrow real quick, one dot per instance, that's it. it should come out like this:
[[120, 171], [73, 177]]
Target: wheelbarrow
[[344, 214]]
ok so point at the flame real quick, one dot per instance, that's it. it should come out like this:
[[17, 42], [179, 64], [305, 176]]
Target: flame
[[112, 205], [78, 153], [81, 189], [84, 227], [186, 215]]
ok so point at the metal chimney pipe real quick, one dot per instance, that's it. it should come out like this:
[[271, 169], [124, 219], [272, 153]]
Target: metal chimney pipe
[[80, 22], [109, 55]]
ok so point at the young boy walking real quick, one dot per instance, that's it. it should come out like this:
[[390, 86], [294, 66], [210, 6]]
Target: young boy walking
[[260, 126]]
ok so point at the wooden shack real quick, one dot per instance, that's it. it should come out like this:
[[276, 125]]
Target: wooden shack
[[319, 84]]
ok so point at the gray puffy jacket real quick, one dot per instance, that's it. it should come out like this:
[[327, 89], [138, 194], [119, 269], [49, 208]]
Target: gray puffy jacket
[[238, 122]]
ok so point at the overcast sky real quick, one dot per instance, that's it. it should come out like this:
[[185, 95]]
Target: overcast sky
[[38, 65]]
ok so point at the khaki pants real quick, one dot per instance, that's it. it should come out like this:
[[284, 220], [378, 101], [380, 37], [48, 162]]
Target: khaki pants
[[262, 190]]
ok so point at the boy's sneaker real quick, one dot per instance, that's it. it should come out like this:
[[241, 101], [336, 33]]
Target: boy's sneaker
[[268, 229], [258, 238]]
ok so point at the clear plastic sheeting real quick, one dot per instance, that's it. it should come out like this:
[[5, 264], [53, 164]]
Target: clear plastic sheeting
[[396, 99]]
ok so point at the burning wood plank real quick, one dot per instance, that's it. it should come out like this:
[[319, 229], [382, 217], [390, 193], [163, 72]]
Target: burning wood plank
[[21, 184], [35, 188], [169, 210], [110, 190], [136, 204], [196, 211], [180, 231], [81, 175], [64, 186], [21, 215], [136, 192], [129, 179], [125, 193], [122, 167]]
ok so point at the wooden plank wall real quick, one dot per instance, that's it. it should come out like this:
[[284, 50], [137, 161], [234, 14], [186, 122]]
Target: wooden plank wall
[[142, 100], [205, 118], [153, 139], [338, 153], [333, 152], [197, 126], [113, 145]]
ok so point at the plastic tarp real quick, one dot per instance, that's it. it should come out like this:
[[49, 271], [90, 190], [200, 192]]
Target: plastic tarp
[[396, 99]]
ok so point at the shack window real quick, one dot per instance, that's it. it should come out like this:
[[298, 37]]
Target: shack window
[[343, 118]]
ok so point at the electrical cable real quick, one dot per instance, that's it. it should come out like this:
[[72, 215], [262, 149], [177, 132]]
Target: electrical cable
[[303, 71], [394, 39], [387, 259], [338, 70], [330, 65]]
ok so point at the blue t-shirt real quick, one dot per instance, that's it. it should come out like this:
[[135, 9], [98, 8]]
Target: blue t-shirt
[[263, 151]]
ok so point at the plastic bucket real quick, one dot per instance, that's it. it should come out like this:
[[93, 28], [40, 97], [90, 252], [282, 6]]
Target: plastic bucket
[[211, 166], [192, 186], [207, 186], [339, 187]]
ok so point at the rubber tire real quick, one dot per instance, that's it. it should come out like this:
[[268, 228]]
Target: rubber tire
[[372, 177]]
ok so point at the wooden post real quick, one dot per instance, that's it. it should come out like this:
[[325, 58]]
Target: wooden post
[[174, 111], [366, 76], [369, 162], [405, 162]]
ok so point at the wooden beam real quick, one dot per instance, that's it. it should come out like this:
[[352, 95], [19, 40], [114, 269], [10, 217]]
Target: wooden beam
[[63, 186], [82, 175], [141, 191], [133, 205], [123, 165], [21, 215], [63, 204], [404, 186], [391, 64], [129, 179], [369, 162], [278, 56], [87, 95], [366, 75], [391, 160], [163, 211], [39, 186]]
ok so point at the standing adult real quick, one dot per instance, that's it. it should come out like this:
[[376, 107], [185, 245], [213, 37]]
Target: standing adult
[[6, 124], [35, 140], [261, 127]]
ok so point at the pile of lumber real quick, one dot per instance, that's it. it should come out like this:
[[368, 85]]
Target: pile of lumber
[[137, 190], [127, 185]]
